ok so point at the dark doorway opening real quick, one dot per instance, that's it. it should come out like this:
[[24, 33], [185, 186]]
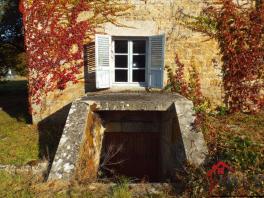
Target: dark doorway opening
[[131, 146], [132, 154]]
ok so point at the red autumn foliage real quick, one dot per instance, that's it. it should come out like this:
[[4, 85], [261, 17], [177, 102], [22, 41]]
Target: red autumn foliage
[[195, 90], [190, 89], [51, 30], [48, 41], [176, 80], [240, 33]]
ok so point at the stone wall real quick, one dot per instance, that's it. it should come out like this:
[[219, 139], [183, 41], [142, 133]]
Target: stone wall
[[192, 47], [54, 101], [152, 17]]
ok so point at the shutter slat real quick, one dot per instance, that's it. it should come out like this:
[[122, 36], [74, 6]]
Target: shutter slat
[[156, 63], [102, 46]]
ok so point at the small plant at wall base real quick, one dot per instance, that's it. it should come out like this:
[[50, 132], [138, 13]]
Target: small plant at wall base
[[54, 37], [121, 190], [240, 34]]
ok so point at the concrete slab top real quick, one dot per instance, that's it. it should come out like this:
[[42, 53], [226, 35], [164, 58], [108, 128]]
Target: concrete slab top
[[132, 101]]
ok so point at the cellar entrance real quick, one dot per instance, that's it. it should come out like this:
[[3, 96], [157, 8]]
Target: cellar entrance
[[141, 135], [131, 145]]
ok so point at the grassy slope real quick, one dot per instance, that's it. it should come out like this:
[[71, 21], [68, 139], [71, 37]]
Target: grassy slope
[[18, 139]]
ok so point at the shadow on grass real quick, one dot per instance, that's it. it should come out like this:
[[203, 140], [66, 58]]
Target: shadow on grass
[[14, 99]]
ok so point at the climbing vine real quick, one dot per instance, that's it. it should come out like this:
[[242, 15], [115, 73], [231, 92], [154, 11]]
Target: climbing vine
[[190, 88], [55, 32], [240, 34], [176, 81], [241, 37]]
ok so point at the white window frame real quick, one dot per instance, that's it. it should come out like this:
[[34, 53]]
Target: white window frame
[[130, 68], [105, 64]]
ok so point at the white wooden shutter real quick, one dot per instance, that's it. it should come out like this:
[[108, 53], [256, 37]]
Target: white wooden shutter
[[102, 58], [156, 61]]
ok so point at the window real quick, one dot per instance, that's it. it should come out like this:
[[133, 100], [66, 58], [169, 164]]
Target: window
[[139, 61], [129, 61], [121, 60]]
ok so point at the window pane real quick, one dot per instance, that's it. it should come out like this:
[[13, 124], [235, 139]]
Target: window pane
[[120, 75], [121, 61], [139, 46], [138, 75], [139, 61], [120, 46]]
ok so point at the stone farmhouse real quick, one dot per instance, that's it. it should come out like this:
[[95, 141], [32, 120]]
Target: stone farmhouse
[[121, 62], [134, 56]]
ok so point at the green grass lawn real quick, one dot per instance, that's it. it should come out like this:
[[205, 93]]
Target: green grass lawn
[[18, 139]]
